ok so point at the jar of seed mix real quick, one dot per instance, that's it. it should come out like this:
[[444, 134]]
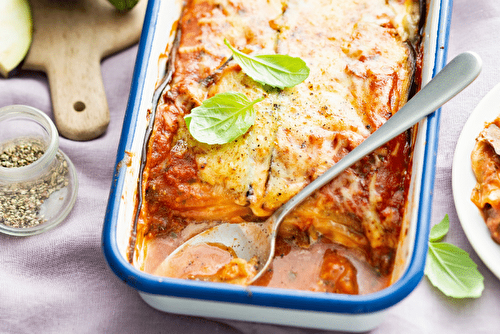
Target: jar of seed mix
[[38, 183]]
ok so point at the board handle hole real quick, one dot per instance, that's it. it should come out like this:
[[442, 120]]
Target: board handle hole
[[79, 106]]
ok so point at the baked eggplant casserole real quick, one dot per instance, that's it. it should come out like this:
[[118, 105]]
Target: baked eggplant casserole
[[363, 57]]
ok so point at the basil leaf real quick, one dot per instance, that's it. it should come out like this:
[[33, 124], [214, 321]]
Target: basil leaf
[[274, 70], [438, 231], [452, 271], [221, 118]]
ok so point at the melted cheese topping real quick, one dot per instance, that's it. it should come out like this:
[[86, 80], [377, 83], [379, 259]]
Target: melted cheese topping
[[361, 70]]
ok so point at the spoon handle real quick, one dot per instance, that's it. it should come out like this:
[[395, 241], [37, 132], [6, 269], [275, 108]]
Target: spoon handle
[[451, 80]]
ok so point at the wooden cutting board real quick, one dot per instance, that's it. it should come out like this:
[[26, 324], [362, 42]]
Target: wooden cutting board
[[70, 39]]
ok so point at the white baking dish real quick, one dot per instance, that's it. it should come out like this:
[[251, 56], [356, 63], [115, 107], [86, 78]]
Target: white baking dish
[[269, 305]]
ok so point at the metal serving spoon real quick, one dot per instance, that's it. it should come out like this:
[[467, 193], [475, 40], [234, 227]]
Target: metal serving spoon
[[258, 239]]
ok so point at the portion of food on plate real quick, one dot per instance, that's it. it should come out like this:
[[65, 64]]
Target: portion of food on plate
[[362, 57], [486, 167]]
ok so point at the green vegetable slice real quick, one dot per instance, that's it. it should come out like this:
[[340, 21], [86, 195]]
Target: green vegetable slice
[[124, 5], [221, 118], [16, 32]]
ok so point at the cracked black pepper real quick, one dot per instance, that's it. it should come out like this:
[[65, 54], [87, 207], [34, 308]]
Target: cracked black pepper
[[20, 203]]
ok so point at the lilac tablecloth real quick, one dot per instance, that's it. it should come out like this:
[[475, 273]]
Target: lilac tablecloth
[[59, 282]]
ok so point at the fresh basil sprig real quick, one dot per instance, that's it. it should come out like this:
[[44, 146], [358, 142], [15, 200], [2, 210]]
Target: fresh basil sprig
[[274, 70], [450, 268], [221, 118]]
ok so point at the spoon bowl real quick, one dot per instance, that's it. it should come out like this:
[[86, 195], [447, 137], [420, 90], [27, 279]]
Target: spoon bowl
[[257, 240]]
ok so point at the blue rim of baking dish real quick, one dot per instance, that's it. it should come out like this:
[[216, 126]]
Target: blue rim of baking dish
[[255, 295]]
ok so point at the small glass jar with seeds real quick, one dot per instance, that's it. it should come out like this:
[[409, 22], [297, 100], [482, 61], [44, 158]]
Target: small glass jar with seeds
[[38, 183]]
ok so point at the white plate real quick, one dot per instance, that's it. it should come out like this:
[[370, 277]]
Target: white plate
[[463, 181]]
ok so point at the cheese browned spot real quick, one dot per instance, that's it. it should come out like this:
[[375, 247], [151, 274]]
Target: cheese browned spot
[[361, 71]]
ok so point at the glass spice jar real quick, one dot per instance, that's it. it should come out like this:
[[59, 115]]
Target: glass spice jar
[[38, 182]]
